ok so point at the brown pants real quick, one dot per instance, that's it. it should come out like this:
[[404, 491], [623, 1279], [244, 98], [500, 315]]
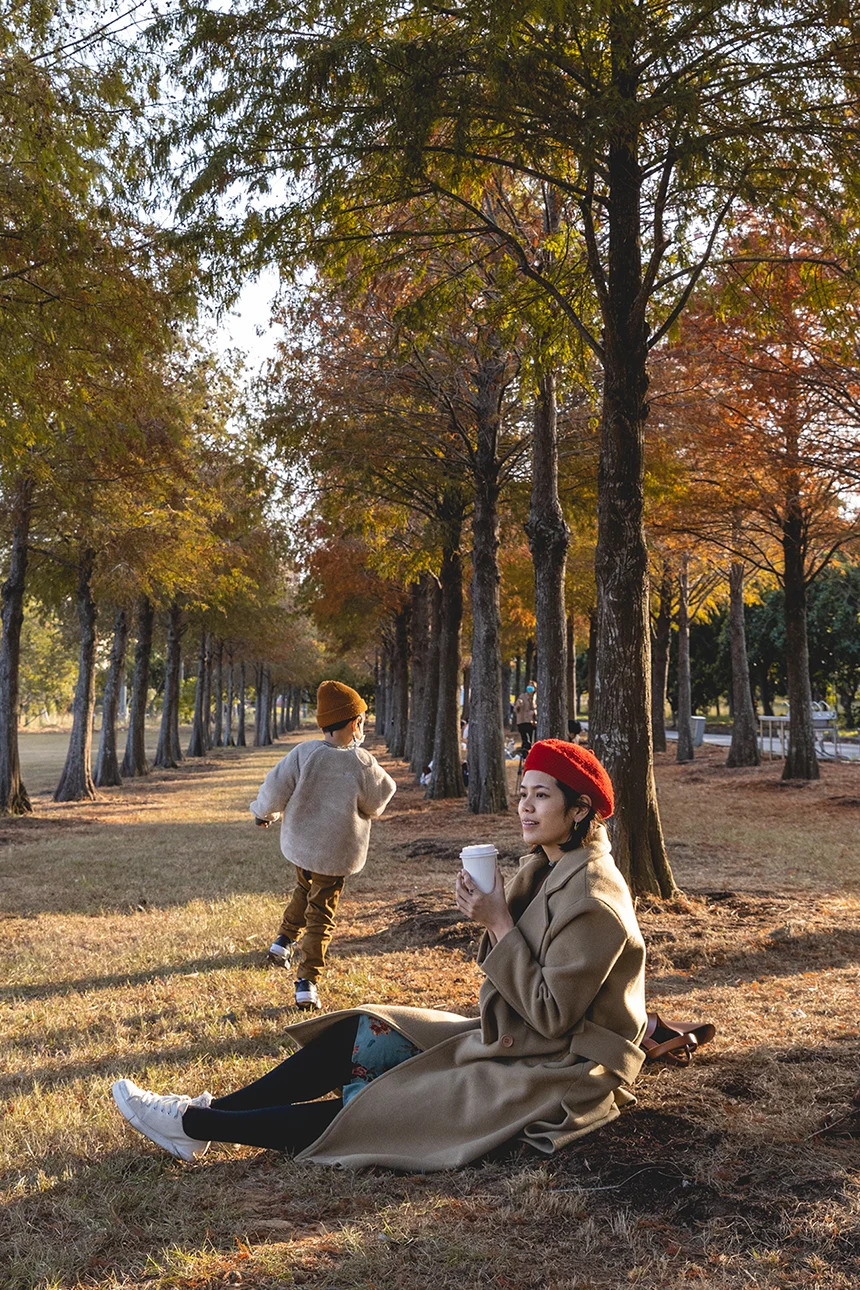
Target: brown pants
[[311, 910]]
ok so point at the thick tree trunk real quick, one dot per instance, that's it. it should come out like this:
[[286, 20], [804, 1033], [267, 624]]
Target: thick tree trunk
[[486, 753], [397, 726], [13, 794], [744, 748], [168, 753], [620, 725], [660, 661], [241, 736], [76, 781], [801, 761], [447, 777], [107, 761], [197, 743], [548, 536], [685, 709], [218, 733], [134, 762]]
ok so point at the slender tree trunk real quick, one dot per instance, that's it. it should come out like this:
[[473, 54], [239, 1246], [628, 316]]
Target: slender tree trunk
[[268, 704], [258, 705], [685, 708], [398, 724], [229, 741], [382, 696], [13, 794], [207, 692], [548, 536], [107, 761], [744, 748], [297, 708], [447, 778], [134, 762], [620, 722], [571, 670], [486, 750], [801, 761], [218, 734], [465, 712], [241, 736], [660, 661], [197, 746], [421, 714], [168, 752], [592, 661], [518, 684], [76, 781]]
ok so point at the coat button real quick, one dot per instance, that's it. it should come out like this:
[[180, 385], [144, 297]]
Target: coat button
[[507, 1041]]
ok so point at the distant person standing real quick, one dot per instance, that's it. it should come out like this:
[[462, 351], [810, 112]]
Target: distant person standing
[[325, 792], [525, 712]]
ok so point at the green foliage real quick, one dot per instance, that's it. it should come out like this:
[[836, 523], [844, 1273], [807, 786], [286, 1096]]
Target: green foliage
[[48, 666]]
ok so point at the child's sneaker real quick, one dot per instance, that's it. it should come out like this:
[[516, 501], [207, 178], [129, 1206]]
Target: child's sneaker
[[159, 1118], [306, 994], [280, 952]]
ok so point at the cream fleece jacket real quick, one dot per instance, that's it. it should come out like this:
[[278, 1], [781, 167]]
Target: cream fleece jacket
[[325, 798]]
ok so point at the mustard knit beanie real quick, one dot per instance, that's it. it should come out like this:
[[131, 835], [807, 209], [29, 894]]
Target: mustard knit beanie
[[337, 702]]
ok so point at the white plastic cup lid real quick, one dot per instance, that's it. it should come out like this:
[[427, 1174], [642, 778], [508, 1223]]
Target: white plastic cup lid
[[481, 851]]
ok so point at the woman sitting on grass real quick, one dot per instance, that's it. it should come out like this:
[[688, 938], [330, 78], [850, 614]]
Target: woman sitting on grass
[[562, 1011]]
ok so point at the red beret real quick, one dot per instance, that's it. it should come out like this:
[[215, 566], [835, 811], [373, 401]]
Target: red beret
[[576, 767]]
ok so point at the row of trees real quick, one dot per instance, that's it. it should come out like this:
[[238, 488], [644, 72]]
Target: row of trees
[[509, 208]]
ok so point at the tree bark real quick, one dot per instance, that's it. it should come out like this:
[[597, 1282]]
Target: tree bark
[[801, 761], [447, 777], [529, 672], [241, 737], [488, 792], [397, 725], [134, 762], [297, 708], [465, 711], [744, 749], [13, 795], [660, 661], [685, 711], [207, 693], [107, 761], [76, 781], [620, 725], [592, 660], [197, 746], [548, 536], [168, 753], [570, 653]]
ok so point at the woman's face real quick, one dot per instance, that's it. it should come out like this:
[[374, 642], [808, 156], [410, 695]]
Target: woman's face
[[545, 820]]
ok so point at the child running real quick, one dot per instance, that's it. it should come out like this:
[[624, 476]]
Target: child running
[[325, 792]]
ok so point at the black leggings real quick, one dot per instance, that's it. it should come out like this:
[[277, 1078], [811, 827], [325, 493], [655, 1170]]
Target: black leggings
[[277, 1111]]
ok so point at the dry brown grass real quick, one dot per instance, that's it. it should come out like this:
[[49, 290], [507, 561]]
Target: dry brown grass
[[134, 928]]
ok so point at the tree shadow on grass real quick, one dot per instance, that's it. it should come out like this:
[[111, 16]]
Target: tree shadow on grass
[[84, 985]]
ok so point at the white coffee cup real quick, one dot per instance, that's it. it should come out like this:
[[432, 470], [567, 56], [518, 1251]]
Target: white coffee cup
[[480, 864]]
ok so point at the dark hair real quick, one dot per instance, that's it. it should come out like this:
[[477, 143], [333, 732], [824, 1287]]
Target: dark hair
[[581, 829], [340, 725]]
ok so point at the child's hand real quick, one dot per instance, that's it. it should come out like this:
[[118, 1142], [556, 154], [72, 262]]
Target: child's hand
[[261, 824]]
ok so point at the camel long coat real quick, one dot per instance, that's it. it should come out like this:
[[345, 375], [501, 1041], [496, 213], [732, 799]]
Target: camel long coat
[[562, 1010]]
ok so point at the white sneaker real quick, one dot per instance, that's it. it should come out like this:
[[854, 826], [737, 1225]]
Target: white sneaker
[[280, 955], [306, 994], [159, 1118]]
